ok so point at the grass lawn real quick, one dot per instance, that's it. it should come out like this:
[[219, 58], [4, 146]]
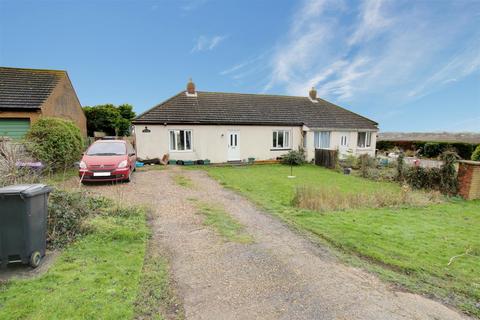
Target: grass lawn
[[409, 246], [97, 277]]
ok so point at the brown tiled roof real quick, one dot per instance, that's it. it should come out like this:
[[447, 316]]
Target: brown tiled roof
[[254, 109], [26, 88]]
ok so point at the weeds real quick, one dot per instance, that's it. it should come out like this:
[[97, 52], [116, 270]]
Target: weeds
[[183, 181], [225, 224], [324, 199]]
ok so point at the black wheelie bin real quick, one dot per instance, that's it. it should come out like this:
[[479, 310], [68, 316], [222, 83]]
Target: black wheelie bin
[[23, 223]]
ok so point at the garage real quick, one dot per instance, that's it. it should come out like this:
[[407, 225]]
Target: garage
[[14, 128]]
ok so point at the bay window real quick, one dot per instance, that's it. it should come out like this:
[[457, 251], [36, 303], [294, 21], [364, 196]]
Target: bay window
[[180, 140], [364, 139], [281, 139]]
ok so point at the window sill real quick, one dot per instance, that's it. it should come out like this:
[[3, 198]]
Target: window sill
[[180, 151], [280, 149]]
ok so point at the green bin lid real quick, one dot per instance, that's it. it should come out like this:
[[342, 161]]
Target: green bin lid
[[25, 190]]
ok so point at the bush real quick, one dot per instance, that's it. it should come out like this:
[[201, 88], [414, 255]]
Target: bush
[[366, 164], [349, 161], [448, 173], [10, 154], [476, 154], [66, 213], [294, 158], [400, 167], [423, 178], [432, 149], [57, 143], [443, 179]]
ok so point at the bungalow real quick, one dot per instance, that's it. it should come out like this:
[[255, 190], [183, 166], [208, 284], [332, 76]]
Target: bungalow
[[223, 127], [28, 94]]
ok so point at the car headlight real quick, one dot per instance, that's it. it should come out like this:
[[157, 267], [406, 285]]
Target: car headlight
[[82, 165], [123, 164]]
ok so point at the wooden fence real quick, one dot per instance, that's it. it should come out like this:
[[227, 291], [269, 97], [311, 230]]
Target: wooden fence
[[326, 158]]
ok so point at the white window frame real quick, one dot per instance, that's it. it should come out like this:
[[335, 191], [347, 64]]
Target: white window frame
[[368, 139], [175, 140], [285, 146], [318, 139]]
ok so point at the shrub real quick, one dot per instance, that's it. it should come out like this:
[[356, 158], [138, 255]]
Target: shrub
[[432, 149], [294, 158], [423, 178], [57, 143], [400, 167], [366, 163], [10, 154], [350, 161], [448, 173], [66, 213], [443, 179], [476, 154]]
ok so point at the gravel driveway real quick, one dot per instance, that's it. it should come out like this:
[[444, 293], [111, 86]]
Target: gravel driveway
[[281, 275]]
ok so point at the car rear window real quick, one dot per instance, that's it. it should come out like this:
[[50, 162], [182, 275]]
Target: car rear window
[[107, 149]]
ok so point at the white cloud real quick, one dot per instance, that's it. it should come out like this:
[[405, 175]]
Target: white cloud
[[392, 49], [206, 43], [372, 21]]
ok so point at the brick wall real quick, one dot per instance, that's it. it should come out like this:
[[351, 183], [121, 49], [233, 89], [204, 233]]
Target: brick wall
[[469, 179]]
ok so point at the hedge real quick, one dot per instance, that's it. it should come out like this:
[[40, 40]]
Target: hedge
[[430, 149]]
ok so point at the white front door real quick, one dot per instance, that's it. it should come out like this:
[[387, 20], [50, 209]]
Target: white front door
[[343, 144], [233, 146]]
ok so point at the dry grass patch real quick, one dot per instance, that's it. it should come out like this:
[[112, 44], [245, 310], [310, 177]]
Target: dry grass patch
[[322, 199]]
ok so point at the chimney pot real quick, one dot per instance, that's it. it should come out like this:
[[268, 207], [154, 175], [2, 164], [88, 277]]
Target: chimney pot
[[313, 93], [190, 87]]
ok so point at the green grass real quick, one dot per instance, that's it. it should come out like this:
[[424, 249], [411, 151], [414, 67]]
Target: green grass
[[409, 246], [183, 181], [224, 223], [156, 298], [96, 277]]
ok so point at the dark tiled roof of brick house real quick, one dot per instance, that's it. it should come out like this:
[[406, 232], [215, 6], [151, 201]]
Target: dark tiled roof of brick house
[[26, 88], [252, 109]]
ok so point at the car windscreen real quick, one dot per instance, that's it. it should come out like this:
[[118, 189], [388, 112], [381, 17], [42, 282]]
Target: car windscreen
[[107, 149]]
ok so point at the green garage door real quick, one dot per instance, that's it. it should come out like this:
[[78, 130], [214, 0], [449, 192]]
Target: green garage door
[[14, 128]]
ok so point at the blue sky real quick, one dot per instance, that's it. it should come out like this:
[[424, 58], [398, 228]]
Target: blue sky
[[410, 65]]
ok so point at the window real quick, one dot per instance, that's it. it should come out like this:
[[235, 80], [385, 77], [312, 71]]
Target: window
[[343, 141], [281, 139], [180, 140], [364, 139], [322, 139], [107, 149]]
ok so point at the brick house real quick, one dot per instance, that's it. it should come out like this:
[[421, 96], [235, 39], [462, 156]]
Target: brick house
[[28, 94]]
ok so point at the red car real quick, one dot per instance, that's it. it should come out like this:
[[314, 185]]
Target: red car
[[108, 160]]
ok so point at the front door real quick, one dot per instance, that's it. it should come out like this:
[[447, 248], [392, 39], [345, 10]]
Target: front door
[[233, 146], [343, 145]]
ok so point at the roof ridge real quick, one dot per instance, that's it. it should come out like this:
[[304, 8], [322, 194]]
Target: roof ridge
[[255, 94], [33, 69]]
